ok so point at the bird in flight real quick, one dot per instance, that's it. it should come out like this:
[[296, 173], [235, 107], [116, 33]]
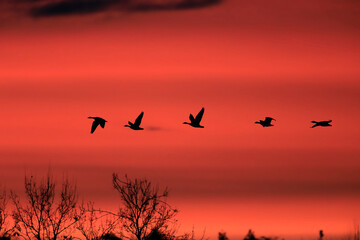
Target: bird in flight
[[195, 122], [136, 124], [266, 122], [97, 121], [322, 123]]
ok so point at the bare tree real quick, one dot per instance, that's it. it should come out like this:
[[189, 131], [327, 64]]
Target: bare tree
[[5, 231], [95, 224], [42, 215], [144, 207]]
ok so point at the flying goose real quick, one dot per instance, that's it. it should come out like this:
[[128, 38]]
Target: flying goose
[[266, 122], [195, 122], [322, 123], [97, 121], [136, 124]]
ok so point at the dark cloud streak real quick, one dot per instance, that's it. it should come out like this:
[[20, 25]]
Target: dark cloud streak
[[80, 7], [72, 7], [181, 5]]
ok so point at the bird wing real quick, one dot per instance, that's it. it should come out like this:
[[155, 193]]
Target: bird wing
[[268, 120], [102, 124], [138, 119], [94, 125], [328, 121], [199, 115], [191, 117]]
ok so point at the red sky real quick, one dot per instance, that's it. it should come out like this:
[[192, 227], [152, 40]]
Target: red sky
[[296, 61]]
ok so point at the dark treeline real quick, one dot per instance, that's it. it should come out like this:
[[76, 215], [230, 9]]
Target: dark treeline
[[48, 212]]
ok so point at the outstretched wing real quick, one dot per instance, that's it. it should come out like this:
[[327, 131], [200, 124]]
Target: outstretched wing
[[200, 115], [191, 117], [328, 121], [138, 119], [268, 120], [94, 126], [102, 124], [315, 125]]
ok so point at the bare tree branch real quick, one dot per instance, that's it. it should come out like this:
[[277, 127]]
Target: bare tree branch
[[144, 207], [42, 216], [5, 230], [95, 224]]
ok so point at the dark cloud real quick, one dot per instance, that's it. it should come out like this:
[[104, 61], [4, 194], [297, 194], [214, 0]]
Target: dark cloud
[[72, 7], [75, 7], [174, 5]]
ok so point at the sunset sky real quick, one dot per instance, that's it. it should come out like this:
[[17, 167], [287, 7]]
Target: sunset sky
[[295, 61]]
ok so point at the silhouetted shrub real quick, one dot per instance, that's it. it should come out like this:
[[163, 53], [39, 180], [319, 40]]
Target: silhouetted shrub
[[222, 236], [357, 232], [110, 236], [250, 235], [190, 236], [155, 234]]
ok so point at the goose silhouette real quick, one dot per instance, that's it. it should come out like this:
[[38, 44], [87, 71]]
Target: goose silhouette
[[136, 124], [322, 123], [97, 121], [266, 122], [195, 122]]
